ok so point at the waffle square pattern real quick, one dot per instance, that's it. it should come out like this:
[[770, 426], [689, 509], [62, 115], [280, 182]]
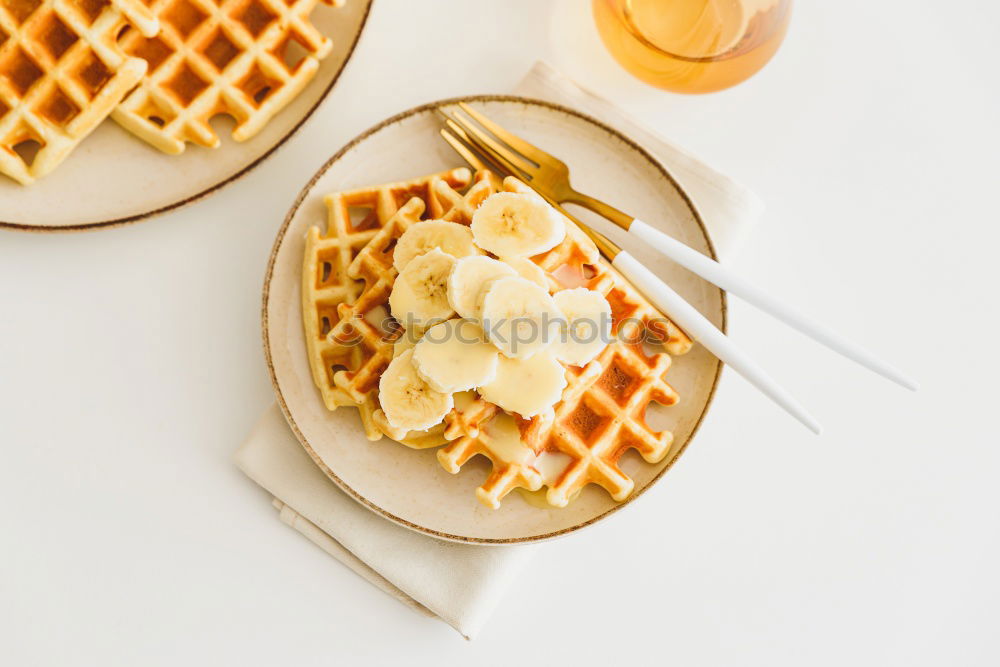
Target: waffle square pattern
[[347, 278], [61, 74], [244, 58]]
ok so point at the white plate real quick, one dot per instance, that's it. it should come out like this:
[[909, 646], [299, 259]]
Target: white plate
[[409, 486], [113, 177]]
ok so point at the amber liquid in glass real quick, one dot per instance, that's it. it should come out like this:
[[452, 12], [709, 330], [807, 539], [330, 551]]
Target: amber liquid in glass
[[692, 46]]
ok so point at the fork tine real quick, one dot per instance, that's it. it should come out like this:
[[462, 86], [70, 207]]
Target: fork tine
[[530, 151], [467, 154], [492, 145], [475, 142], [474, 155], [478, 153], [496, 145]]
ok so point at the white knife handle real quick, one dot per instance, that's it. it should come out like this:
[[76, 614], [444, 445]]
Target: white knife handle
[[719, 275], [698, 327]]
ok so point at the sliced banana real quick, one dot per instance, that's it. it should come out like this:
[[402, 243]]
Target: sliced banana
[[419, 296], [409, 403], [586, 329], [455, 356], [519, 317], [531, 271], [511, 225], [449, 237], [528, 387], [467, 280]]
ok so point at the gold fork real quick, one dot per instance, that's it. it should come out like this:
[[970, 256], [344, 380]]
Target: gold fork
[[658, 292], [549, 176]]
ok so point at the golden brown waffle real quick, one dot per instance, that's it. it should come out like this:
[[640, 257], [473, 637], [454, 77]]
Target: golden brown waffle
[[366, 325], [363, 324], [347, 278], [468, 432], [355, 219], [600, 417], [602, 411], [244, 58], [61, 74]]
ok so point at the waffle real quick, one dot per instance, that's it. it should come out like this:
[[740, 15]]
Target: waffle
[[333, 277], [244, 58], [365, 325], [479, 427], [347, 278], [601, 414], [600, 417], [362, 323], [61, 74]]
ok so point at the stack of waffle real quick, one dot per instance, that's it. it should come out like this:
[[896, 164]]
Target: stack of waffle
[[347, 277]]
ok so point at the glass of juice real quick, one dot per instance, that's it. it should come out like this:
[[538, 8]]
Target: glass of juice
[[692, 46]]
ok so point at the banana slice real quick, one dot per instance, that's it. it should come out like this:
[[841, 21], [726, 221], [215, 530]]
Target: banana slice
[[467, 280], [528, 387], [510, 225], [531, 271], [419, 296], [408, 402], [449, 237], [586, 329], [519, 317], [455, 356]]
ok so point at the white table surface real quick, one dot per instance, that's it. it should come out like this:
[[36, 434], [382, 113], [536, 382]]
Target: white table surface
[[131, 368]]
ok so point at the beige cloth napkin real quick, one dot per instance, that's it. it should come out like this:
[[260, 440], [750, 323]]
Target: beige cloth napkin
[[459, 583]]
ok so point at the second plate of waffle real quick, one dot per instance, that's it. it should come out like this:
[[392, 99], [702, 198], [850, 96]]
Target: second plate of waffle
[[113, 111], [358, 238]]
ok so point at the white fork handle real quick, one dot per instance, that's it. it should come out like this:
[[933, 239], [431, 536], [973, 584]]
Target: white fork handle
[[698, 327], [717, 274]]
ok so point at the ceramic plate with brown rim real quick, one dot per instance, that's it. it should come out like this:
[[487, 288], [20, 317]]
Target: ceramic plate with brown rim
[[409, 486], [114, 178]]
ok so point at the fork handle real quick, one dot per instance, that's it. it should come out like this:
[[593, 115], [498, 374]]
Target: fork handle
[[719, 275], [701, 329]]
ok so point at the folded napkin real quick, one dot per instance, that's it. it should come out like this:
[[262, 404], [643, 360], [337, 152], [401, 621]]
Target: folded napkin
[[459, 583]]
